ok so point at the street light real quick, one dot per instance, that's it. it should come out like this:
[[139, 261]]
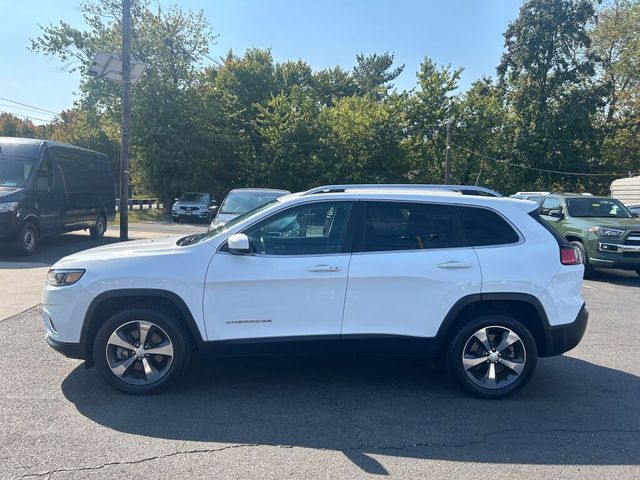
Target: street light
[[121, 69]]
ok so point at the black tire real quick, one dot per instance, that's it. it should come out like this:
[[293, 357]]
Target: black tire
[[164, 324], [522, 354], [100, 227], [27, 240], [588, 268]]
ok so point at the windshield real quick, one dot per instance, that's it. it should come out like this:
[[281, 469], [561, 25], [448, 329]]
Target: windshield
[[193, 197], [597, 207], [14, 170], [222, 228], [240, 202]]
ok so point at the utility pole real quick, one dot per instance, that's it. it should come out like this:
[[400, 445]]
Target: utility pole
[[126, 113], [447, 163]]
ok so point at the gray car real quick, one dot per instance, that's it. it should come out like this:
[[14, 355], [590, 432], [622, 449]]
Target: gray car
[[192, 206], [241, 200]]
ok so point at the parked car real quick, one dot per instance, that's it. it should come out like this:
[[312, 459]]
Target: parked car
[[480, 281], [47, 188], [193, 206], [242, 200], [635, 209], [528, 195], [605, 232]]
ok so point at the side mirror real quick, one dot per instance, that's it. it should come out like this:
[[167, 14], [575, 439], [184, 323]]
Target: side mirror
[[556, 213], [635, 214], [238, 244], [213, 208], [175, 199]]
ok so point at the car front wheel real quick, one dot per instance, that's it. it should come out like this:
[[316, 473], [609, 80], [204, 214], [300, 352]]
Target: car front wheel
[[141, 350], [492, 356]]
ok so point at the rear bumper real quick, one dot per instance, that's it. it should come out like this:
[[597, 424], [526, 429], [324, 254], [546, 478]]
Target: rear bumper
[[562, 338]]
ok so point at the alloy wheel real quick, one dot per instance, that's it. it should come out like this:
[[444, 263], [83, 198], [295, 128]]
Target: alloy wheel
[[139, 352], [494, 357]]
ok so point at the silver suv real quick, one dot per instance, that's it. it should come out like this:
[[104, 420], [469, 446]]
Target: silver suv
[[192, 206]]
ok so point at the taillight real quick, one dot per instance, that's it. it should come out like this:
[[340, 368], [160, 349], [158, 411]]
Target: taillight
[[569, 255]]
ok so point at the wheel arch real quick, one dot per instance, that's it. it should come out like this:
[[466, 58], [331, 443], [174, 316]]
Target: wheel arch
[[523, 307], [108, 303]]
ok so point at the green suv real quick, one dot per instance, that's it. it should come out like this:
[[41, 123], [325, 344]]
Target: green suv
[[605, 232]]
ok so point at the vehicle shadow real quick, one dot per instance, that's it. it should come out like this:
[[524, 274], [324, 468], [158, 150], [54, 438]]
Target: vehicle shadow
[[573, 412], [52, 249], [616, 277]]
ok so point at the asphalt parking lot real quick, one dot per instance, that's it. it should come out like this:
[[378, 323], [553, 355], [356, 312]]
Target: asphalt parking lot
[[328, 418]]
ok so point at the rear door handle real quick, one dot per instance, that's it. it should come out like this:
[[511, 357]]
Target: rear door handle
[[454, 265], [324, 268]]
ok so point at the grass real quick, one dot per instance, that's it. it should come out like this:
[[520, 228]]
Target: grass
[[136, 216]]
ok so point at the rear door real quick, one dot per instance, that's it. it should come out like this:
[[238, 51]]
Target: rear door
[[414, 265]]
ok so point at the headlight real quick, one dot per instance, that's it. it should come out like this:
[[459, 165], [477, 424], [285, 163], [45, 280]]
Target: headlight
[[60, 277], [8, 206], [606, 232]]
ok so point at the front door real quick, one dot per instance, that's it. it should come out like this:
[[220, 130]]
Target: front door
[[414, 266], [293, 285]]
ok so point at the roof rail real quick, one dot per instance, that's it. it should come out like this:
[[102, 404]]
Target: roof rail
[[401, 186]]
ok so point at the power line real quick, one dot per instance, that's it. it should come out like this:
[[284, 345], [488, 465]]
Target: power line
[[26, 109], [29, 106], [28, 117], [505, 162]]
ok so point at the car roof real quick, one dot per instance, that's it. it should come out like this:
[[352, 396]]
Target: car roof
[[412, 195], [403, 186], [259, 190], [33, 146], [577, 195]]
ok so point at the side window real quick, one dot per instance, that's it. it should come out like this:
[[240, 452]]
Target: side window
[[550, 203], [44, 181], [313, 229], [407, 226], [485, 227]]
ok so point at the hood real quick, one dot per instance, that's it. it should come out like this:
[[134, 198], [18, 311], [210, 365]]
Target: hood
[[125, 250], [182, 203], [621, 223], [10, 194]]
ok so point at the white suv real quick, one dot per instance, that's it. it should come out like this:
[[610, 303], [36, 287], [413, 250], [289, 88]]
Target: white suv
[[480, 281]]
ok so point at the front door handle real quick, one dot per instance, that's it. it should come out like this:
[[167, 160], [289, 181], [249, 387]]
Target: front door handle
[[324, 268], [454, 265]]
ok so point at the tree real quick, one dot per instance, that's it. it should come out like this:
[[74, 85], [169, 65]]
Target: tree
[[373, 74], [428, 111], [616, 43], [546, 72], [172, 42]]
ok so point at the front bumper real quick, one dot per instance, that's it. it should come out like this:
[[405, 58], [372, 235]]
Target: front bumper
[[616, 255], [201, 214], [9, 226], [562, 338], [70, 350]]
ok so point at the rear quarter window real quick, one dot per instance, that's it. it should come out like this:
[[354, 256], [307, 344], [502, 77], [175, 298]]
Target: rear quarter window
[[485, 227]]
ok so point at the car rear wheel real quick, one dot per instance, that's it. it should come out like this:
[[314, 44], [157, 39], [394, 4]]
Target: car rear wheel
[[27, 239], [492, 356], [588, 268], [98, 230], [141, 350]]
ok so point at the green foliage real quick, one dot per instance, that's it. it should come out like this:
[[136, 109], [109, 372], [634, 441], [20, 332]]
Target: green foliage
[[567, 98]]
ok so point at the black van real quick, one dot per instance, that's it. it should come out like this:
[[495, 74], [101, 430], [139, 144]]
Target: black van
[[48, 188]]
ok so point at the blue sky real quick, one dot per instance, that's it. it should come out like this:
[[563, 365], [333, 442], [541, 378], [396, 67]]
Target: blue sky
[[325, 33]]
